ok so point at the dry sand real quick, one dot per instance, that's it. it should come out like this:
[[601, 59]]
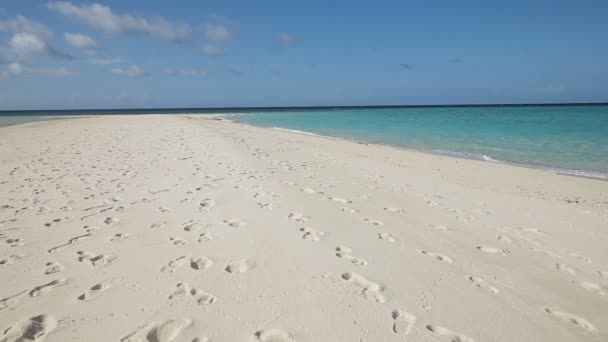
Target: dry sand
[[169, 228]]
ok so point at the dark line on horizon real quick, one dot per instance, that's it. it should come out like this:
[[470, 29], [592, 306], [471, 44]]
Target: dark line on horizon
[[173, 110]]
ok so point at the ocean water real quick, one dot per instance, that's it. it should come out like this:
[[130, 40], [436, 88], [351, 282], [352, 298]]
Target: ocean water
[[566, 139], [15, 120]]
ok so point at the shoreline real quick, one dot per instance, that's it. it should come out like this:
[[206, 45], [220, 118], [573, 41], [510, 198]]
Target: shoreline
[[594, 175], [451, 154]]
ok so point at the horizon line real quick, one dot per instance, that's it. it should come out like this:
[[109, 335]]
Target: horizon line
[[542, 104]]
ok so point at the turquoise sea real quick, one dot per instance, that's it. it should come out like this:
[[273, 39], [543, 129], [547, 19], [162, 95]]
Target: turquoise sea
[[567, 139], [570, 139]]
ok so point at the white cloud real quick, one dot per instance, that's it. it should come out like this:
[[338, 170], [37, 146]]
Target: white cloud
[[90, 47], [218, 33], [80, 41], [211, 50], [102, 18], [23, 24], [288, 39], [24, 45], [188, 72], [16, 69], [132, 71], [28, 39]]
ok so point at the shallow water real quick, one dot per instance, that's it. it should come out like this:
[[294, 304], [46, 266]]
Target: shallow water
[[573, 139]]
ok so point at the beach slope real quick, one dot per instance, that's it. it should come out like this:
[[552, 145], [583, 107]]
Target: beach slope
[[175, 228]]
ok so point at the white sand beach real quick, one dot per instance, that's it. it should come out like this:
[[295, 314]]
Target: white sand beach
[[174, 228]]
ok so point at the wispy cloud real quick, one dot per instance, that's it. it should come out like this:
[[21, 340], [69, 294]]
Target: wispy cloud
[[17, 69], [218, 33], [188, 72], [23, 24], [105, 61], [132, 71], [90, 47], [103, 18], [211, 50], [288, 39], [80, 41]]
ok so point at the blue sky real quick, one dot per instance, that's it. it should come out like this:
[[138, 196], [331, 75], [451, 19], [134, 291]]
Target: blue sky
[[135, 54]]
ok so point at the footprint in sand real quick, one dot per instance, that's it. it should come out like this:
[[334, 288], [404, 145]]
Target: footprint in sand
[[454, 337], [349, 210], [565, 268], [374, 222], [591, 287], [297, 217], [70, 242], [239, 266], [158, 225], [234, 223], [94, 291], [90, 229], [14, 242], [311, 234], [192, 226], [403, 322], [386, 237], [585, 259], [493, 250], [95, 259], [110, 221], [53, 267], [165, 331], [369, 289], [201, 297], [178, 241], [54, 221], [267, 206], [204, 237], [201, 263], [32, 329], [207, 204], [309, 191], [439, 257], [11, 259], [603, 274], [504, 238], [11, 301], [45, 288], [340, 200], [174, 264], [273, 335], [572, 319], [118, 237], [346, 253], [483, 284], [394, 210], [164, 209]]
